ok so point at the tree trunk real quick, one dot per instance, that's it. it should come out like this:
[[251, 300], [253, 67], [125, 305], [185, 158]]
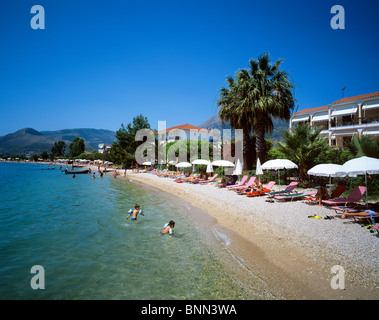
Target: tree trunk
[[248, 160], [260, 145]]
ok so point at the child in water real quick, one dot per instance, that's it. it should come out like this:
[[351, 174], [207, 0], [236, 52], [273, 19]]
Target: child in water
[[135, 213], [168, 228]]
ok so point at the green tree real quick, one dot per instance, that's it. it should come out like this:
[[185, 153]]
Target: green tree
[[124, 148], [58, 149], [302, 146], [361, 146], [44, 155], [76, 147], [252, 101]]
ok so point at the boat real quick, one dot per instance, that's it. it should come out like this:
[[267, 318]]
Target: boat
[[76, 171]]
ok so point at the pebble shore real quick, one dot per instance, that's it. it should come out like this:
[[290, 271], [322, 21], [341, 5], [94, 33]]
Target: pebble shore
[[283, 229]]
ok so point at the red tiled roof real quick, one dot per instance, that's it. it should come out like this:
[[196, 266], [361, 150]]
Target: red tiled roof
[[360, 97], [312, 110], [183, 127], [344, 100]]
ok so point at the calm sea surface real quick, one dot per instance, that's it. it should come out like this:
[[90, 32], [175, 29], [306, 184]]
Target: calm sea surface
[[76, 230]]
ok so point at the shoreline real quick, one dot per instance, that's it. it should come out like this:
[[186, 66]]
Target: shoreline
[[278, 244]]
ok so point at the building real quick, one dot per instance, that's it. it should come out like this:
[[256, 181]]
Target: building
[[184, 131], [103, 148], [343, 119]]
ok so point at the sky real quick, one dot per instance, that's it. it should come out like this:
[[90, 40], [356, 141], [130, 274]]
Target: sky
[[98, 64]]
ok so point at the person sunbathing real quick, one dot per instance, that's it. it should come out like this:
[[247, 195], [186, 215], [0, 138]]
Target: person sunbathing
[[359, 214], [256, 186]]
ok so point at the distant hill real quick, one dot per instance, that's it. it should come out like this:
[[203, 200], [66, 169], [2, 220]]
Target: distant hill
[[91, 137], [215, 123], [29, 141], [25, 141]]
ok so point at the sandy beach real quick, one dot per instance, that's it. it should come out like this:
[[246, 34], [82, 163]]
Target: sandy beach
[[278, 244]]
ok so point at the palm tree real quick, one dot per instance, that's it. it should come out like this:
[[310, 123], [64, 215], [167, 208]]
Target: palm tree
[[256, 97], [360, 146], [302, 146]]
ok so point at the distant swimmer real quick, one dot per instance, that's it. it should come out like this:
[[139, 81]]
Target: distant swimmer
[[74, 176], [134, 213], [168, 228], [93, 175]]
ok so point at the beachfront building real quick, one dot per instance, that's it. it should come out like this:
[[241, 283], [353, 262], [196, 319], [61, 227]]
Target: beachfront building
[[103, 148], [184, 131], [343, 119]]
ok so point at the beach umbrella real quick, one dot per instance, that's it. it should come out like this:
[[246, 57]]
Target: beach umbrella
[[278, 164], [209, 167], [259, 170], [238, 169], [200, 161], [223, 163], [147, 163], [360, 166], [325, 170], [183, 165]]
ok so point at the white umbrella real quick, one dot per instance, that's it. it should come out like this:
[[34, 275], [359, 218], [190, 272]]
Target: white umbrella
[[238, 169], [325, 170], [360, 166], [183, 165], [259, 170], [147, 163], [209, 167], [200, 161], [278, 164], [223, 163]]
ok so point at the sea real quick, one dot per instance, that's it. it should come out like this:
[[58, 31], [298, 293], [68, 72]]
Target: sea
[[64, 238]]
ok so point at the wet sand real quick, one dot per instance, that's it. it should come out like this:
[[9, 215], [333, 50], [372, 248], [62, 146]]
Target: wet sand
[[290, 260]]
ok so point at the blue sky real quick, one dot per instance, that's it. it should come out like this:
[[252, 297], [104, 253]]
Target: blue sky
[[100, 63]]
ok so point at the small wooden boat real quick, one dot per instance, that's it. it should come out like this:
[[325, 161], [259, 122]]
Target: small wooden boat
[[76, 171]]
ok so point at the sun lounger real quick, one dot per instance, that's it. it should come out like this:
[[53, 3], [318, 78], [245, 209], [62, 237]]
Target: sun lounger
[[242, 182], [287, 190], [291, 197], [265, 190], [210, 180], [335, 194], [354, 196], [249, 184], [369, 218], [342, 209]]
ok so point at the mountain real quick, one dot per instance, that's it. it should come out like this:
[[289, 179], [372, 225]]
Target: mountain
[[215, 123], [25, 141], [29, 141], [91, 137]]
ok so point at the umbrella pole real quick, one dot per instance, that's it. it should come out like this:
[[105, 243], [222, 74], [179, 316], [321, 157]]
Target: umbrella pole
[[366, 190]]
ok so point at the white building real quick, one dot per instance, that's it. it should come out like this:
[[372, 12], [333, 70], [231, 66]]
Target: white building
[[184, 131], [103, 148], [343, 119]]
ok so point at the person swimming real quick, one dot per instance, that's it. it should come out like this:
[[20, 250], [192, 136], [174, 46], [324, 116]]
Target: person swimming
[[134, 213], [168, 228]]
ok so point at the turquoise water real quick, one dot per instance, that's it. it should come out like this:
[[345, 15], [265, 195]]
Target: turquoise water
[[76, 230]]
